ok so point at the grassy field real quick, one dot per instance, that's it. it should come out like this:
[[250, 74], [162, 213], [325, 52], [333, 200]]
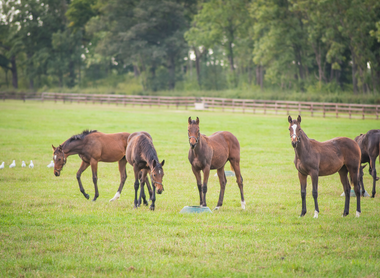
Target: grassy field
[[48, 229]]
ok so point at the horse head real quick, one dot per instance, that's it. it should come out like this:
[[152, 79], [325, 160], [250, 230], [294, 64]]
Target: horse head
[[59, 160], [157, 174], [193, 132], [295, 129]]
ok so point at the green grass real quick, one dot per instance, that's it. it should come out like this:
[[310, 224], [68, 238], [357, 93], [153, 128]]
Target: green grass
[[48, 229]]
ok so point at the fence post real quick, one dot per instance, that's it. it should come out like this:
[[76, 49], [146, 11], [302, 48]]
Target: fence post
[[299, 108], [287, 108], [254, 108], [243, 106], [311, 108], [275, 107], [265, 107], [336, 110], [233, 105], [223, 105], [324, 111], [349, 111], [363, 113], [377, 112]]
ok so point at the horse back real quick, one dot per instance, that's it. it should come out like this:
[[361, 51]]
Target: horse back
[[134, 147], [106, 147], [331, 155], [225, 147], [349, 150], [369, 144]]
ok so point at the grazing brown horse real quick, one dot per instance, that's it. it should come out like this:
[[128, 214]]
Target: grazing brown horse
[[316, 159], [369, 144], [142, 155], [212, 152], [92, 147]]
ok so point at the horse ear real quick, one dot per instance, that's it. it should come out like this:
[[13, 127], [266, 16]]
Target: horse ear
[[154, 163], [60, 147], [299, 119], [197, 121], [163, 162], [189, 121], [290, 119], [53, 147]]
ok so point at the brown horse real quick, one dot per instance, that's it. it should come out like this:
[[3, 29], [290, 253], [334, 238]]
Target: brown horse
[[315, 158], [142, 155], [92, 147], [212, 152], [369, 144]]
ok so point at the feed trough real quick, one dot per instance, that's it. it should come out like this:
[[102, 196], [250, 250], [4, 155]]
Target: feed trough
[[227, 173], [352, 194], [195, 209]]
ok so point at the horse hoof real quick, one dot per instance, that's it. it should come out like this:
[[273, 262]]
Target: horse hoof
[[117, 196], [243, 205], [216, 208], [316, 214], [344, 214], [87, 196], [151, 208], [357, 214]]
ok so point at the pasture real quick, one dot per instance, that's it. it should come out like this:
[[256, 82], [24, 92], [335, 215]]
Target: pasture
[[48, 229]]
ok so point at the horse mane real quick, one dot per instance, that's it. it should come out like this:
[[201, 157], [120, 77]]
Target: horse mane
[[148, 149], [81, 135]]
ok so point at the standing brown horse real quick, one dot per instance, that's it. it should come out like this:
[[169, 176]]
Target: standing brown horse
[[212, 152], [142, 155], [92, 147], [369, 144], [315, 158]]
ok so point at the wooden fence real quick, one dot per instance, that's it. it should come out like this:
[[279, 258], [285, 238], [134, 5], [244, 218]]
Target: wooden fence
[[358, 111]]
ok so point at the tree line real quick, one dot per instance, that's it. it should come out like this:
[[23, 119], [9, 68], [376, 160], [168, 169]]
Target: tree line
[[303, 45]]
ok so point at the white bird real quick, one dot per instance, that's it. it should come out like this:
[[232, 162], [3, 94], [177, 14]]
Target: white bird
[[31, 165], [2, 165], [51, 165], [23, 164], [13, 164]]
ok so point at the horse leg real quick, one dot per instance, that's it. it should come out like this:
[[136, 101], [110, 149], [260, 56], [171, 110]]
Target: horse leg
[[303, 180], [149, 188], [355, 180], [94, 168], [82, 168], [152, 206], [361, 183], [142, 192], [314, 181], [123, 178], [198, 177], [346, 187], [239, 179], [223, 182], [206, 173], [373, 174], [136, 184]]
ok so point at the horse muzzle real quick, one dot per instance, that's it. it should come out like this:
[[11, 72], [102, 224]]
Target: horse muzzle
[[57, 172], [159, 191], [295, 140]]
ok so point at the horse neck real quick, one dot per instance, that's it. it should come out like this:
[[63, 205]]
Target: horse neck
[[73, 147], [303, 146], [198, 150], [149, 155]]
